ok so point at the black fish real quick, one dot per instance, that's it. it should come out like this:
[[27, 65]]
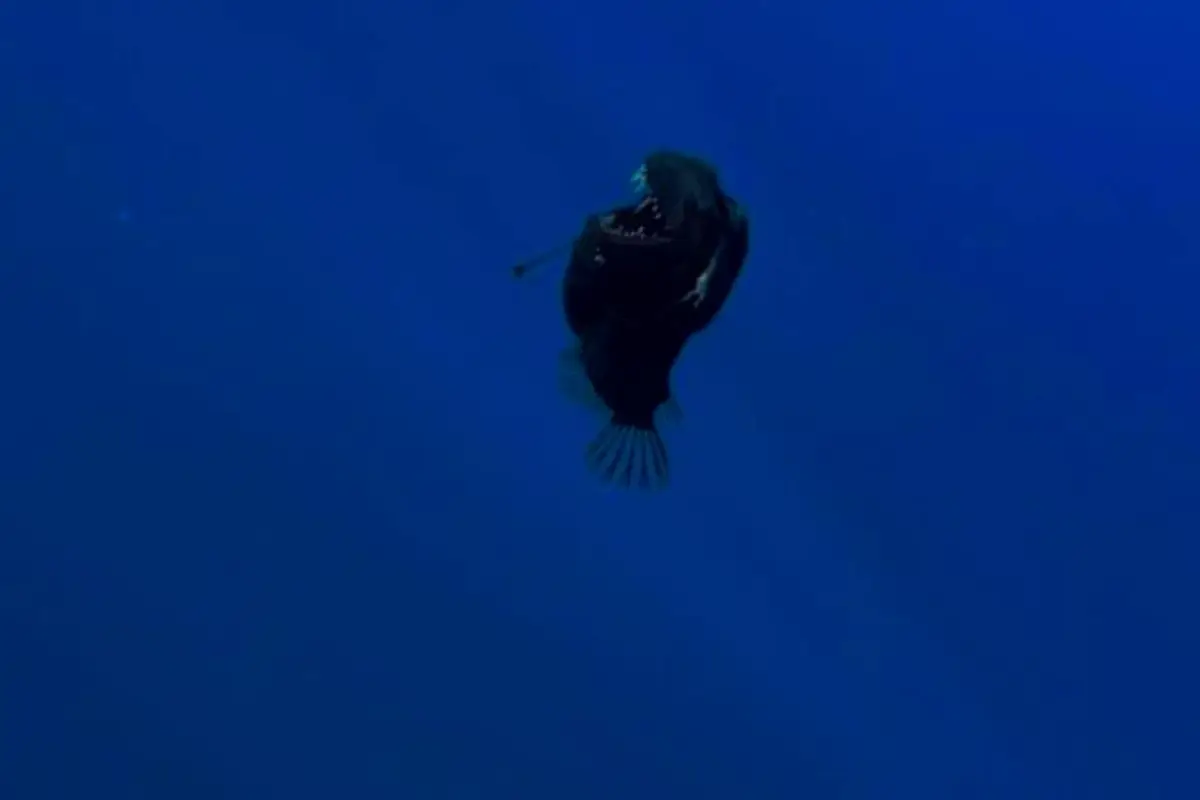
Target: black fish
[[642, 279]]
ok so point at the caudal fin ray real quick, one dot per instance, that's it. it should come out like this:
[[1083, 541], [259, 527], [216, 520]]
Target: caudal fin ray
[[629, 456]]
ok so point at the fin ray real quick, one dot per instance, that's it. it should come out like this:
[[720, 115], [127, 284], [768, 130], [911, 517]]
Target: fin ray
[[629, 457], [573, 381]]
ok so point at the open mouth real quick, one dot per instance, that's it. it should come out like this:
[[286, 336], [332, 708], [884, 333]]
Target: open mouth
[[642, 223]]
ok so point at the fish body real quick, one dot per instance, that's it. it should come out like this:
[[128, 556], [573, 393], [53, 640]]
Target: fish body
[[641, 280]]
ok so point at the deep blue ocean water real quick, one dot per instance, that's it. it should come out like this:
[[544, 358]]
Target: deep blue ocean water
[[291, 505]]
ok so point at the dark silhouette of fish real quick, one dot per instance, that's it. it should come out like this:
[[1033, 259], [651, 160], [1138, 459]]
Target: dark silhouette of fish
[[641, 280]]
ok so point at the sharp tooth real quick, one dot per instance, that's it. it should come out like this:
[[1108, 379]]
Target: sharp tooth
[[639, 179]]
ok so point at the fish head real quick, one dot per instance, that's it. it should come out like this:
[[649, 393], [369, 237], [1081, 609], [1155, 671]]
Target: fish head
[[681, 183], [641, 223], [671, 188]]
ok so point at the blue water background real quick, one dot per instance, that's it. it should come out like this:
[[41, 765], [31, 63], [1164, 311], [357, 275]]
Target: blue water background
[[291, 505]]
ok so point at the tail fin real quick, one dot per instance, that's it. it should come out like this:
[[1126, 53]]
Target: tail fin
[[629, 456]]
